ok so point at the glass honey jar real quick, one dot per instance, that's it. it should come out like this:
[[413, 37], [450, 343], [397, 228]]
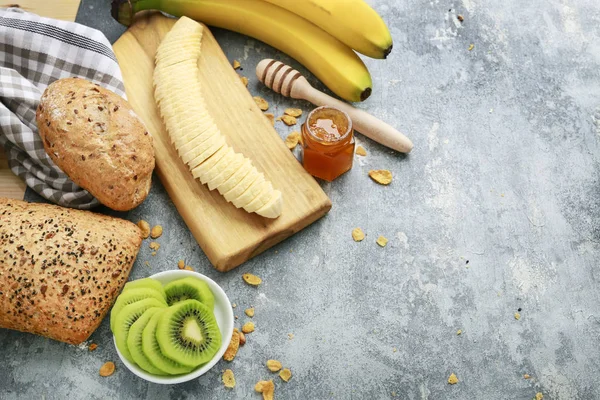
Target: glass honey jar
[[327, 143]]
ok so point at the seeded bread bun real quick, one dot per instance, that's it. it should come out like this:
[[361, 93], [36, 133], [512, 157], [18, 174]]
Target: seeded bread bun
[[96, 138], [61, 269]]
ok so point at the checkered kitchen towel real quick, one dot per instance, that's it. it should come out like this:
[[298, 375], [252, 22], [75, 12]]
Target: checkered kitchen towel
[[34, 52]]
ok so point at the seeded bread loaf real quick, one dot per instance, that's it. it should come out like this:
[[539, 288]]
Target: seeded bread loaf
[[96, 138], [61, 269]]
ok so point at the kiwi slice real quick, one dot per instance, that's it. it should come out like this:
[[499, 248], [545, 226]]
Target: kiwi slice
[[126, 317], [190, 288], [131, 296], [134, 342], [152, 351], [146, 283], [188, 333]]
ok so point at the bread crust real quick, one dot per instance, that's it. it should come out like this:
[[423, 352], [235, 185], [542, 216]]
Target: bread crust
[[96, 138], [61, 269]]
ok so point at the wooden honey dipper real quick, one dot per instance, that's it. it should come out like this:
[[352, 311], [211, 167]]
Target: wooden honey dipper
[[290, 83]]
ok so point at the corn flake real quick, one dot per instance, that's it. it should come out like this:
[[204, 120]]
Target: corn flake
[[382, 241], [357, 234], [107, 369], [271, 118], [539, 396], [236, 64], [248, 327], [381, 176], [242, 338], [292, 140], [92, 347], [293, 112], [285, 374], [154, 246], [252, 280], [517, 316], [261, 103], [244, 80], [181, 264], [249, 312], [267, 388], [145, 227], [452, 379], [156, 232], [288, 120], [234, 345], [360, 151], [274, 365], [228, 379]]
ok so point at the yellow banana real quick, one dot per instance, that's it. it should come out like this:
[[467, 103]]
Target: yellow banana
[[334, 63], [353, 22]]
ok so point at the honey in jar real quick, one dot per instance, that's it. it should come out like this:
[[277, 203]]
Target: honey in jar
[[327, 143]]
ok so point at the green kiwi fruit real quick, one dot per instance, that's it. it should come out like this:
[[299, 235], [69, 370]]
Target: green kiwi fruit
[[190, 288], [146, 283], [131, 296], [152, 351], [134, 342], [188, 333], [127, 317]]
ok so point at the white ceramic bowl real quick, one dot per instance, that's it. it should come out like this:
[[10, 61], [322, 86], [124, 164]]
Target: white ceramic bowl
[[223, 314]]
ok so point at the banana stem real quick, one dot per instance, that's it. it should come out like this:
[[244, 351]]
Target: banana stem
[[124, 10]]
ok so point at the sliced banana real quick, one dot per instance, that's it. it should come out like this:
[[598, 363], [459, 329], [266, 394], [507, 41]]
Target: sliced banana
[[241, 187], [254, 190], [209, 163], [226, 172], [265, 195], [274, 207], [193, 132], [236, 178]]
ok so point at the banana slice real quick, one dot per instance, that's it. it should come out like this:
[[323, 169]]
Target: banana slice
[[250, 194], [262, 199], [236, 178], [226, 172], [212, 173], [193, 132], [212, 149], [241, 187], [197, 145], [209, 163], [273, 208]]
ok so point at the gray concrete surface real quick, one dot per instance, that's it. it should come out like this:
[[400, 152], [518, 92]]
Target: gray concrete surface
[[496, 209]]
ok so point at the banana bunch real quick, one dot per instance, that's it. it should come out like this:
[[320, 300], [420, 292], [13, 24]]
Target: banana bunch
[[320, 34]]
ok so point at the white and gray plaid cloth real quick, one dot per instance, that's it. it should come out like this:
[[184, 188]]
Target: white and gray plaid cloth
[[34, 52]]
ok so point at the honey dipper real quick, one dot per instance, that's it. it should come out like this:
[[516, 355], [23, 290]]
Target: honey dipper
[[290, 83]]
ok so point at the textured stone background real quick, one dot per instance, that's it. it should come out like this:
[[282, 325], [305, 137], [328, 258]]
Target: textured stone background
[[505, 174]]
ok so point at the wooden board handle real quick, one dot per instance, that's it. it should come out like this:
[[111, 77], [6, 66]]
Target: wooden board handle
[[289, 82]]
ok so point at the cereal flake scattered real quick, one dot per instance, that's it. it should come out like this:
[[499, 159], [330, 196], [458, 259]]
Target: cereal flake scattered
[[92, 347], [293, 112], [358, 235], [236, 64], [382, 241], [228, 379], [107, 369], [288, 120], [242, 338], [154, 246], [471, 47], [249, 312], [156, 232], [248, 327], [145, 227], [452, 380], [181, 264], [244, 80], [234, 345], [292, 140], [274, 365], [285, 374], [271, 118], [252, 280], [381, 176], [360, 151], [261, 103], [517, 316]]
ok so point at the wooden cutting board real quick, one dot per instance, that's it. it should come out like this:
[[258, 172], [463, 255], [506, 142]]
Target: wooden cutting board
[[228, 236]]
